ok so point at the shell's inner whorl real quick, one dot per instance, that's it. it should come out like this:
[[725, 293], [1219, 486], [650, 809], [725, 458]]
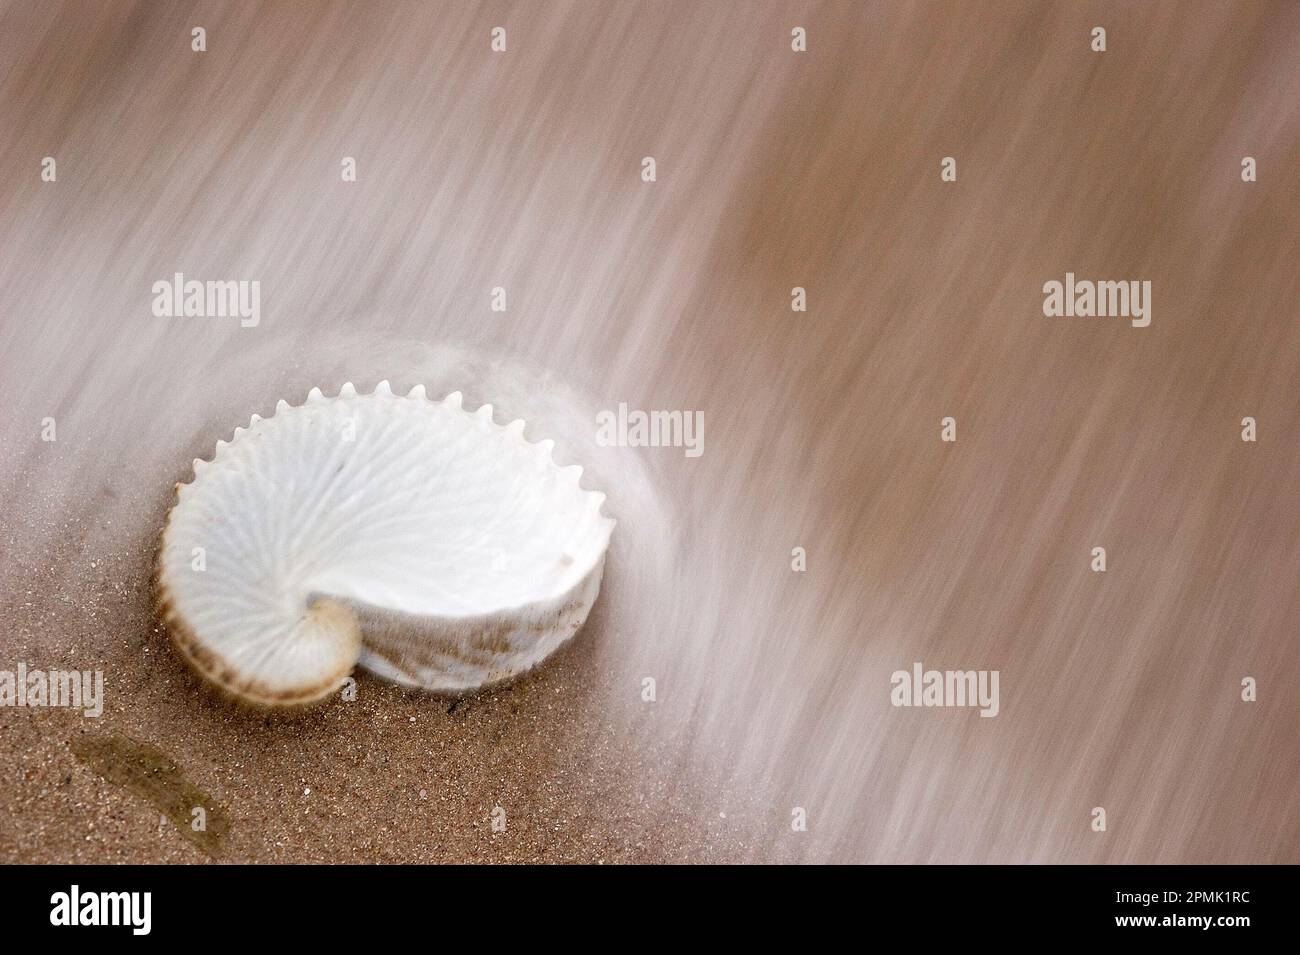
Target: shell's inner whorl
[[439, 548]]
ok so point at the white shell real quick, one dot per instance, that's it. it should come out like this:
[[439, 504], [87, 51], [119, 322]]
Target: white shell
[[432, 545]]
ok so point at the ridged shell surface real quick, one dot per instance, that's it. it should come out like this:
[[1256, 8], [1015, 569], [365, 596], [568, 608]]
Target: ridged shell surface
[[428, 543]]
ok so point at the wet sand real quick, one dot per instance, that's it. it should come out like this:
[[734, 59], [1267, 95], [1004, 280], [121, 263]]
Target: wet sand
[[390, 777]]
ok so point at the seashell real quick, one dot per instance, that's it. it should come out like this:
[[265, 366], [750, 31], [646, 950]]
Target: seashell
[[431, 545]]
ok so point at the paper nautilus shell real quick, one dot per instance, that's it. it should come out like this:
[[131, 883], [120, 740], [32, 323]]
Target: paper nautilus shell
[[429, 544]]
